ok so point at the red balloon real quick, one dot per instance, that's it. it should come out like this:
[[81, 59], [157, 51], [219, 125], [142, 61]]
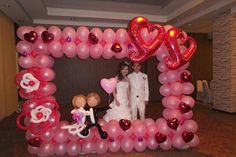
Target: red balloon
[[93, 39], [125, 124], [47, 37], [185, 76], [187, 136], [146, 49], [31, 36], [184, 108], [35, 142], [176, 58], [160, 138], [116, 48], [173, 123]]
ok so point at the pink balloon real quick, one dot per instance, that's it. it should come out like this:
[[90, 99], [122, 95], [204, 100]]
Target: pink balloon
[[139, 130], [62, 123], [69, 48], [188, 115], [162, 126], [188, 100], [29, 135], [113, 129], [88, 147], [48, 135], [107, 52], [178, 141], [123, 53], [82, 33], [55, 48], [42, 61], [171, 102], [39, 30], [41, 48], [185, 66], [128, 133], [60, 148], [73, 148], [162, 52], [22, 30], [69, 34], [145, 35], [96, 51], [172, 76], [172, 113], [188, 88], [48, 89], [127, 145], [101, 147], [140, 144], [166, 145], [24, 48], [98, 33], [121, 35], [109, 35], [149, 122], [60, 136], [151, 130], [194, 142], [26, 62], [137, 122], [176, 88], [165, 90], [47, 74], [32, 150], [82, 50], [108, 84], [161, 66], [152, 143], [190, 126], [56, 31], [114, 145], [163, 78], [46, 149]]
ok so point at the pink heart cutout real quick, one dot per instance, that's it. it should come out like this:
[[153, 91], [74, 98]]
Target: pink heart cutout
[[108, 84]]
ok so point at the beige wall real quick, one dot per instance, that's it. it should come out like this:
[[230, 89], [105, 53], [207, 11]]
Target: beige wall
[[8, 68]]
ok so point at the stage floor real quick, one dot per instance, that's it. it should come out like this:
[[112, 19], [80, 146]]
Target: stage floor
[[216, 132]]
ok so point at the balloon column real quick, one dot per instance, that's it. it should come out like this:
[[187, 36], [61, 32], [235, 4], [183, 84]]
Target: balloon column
[[39, 46]]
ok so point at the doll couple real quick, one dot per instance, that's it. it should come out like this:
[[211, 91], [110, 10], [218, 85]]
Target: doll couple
[[131, 94], [87, 118]]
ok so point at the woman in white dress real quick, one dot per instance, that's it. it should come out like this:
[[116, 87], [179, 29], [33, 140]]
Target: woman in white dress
[[120, 106]]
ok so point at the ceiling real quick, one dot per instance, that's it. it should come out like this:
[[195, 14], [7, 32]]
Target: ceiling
[[190, 15]]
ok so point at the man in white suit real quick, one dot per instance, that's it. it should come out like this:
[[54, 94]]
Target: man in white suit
[[139, 91]]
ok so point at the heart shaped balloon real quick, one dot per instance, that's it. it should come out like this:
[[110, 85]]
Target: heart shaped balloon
[[185, 77], [160, 138], [184, 108], [34, 142], [31, 36], [108, 84], [116, 48], [187, 136], [125, 124], [146, 49], [47, 37], [173, 123]]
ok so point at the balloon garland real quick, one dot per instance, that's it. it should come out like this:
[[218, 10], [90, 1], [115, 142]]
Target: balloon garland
[[46, 134]]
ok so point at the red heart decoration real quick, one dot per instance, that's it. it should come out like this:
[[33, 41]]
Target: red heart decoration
[[125, 124], [116, 48], [47, 37], [31, 36], [145, 49], [173, 123], [184, 108], [185, 77], [160, 138], [187, 136], [34, 142], [176, 58], [93, 38]]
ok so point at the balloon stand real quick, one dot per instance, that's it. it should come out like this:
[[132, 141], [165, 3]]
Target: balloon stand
[[40, 118]]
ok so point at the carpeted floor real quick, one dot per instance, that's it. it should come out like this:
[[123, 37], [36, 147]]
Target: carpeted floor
[[216, 131]]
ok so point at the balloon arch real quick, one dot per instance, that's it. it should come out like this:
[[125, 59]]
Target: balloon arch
[[40, 116]]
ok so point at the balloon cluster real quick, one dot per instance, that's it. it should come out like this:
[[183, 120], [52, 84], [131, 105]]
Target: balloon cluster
[[45, 134]]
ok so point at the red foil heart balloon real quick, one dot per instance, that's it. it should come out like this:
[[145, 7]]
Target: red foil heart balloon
[[47, 37], [187, 136], [93, 38], [184, 108], [31, 36], [160, 138], [176, 58], [125, 124], [185, 77], [116, 48], [173, 123], [145, 49], [34, 142]]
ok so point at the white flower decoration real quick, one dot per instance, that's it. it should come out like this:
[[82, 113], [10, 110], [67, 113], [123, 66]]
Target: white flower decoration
[[40, 114], [29, 83]]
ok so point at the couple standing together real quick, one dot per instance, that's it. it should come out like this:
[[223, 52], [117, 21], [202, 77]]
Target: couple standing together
[[131, 94]]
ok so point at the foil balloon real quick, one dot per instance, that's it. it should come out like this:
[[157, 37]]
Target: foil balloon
[[146, 49], [47, 37], [31, 36], [178, 58]]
